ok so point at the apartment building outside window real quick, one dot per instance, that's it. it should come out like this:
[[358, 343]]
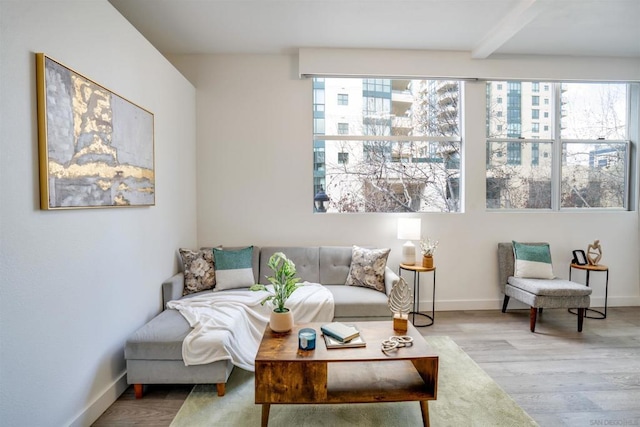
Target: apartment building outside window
[[318, 129], [394, 148], [580, 159], [343, 99]]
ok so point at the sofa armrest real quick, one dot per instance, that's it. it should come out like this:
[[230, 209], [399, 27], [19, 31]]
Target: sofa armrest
[[172, 288], [390, 279]]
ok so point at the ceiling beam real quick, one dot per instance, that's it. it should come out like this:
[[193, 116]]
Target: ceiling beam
[[521, 15]]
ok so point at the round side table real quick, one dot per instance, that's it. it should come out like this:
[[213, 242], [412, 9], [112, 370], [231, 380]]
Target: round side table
[[589, 268], [417, 269]]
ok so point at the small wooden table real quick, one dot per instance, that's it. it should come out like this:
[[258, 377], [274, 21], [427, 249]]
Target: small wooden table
[[589, 268], [285, 374], [417, 269]]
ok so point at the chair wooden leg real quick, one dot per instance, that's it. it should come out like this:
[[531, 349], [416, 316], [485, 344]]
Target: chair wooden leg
[[580, 318], [533, 314], [504, 304]]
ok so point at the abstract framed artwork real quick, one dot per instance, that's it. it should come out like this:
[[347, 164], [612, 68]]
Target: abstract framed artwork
[[96, 149]]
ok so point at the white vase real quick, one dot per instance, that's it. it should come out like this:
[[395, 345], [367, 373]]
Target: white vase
[[281, 322]]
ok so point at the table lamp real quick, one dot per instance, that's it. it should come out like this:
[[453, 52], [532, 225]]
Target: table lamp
[[409, 229]]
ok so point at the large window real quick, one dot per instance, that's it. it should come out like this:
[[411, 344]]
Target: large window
[[580, 158], [395, 147]]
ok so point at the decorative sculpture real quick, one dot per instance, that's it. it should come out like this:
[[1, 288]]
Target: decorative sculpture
[[395, 342], [428, 248], [594, 253], [400, 302]]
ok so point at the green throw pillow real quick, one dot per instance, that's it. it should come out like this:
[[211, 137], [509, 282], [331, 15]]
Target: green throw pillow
[[234, 268], [532, 261]]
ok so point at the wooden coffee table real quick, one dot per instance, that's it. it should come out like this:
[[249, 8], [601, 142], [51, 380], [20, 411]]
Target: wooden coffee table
[[287, 375]]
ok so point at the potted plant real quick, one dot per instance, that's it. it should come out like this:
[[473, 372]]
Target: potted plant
[[428, 247], [284, 284]]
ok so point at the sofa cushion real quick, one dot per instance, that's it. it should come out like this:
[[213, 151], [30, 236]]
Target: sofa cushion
[[532, 261], [355, 301], [335, 262], [199, 273], [233, 268], [160, 339], [367, 268], [552, 287], [304, 257]]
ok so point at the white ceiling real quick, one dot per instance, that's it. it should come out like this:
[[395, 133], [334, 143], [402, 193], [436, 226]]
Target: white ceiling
[[481, 27]]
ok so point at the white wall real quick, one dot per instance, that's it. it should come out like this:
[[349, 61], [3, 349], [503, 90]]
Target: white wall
[[255, 156], [75, 284]]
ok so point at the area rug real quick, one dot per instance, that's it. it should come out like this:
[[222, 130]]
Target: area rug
[[467, 396]]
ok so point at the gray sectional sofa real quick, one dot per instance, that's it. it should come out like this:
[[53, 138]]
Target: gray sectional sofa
[[154, 352]]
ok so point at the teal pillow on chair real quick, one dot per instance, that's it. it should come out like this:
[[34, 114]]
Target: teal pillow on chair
[[532, 261], [234, 268]]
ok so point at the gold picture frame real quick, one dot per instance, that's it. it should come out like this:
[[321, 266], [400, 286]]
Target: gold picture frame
[[96, 148]]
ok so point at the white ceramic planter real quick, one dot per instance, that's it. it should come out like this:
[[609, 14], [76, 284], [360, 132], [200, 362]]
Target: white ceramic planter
[[281, 322]]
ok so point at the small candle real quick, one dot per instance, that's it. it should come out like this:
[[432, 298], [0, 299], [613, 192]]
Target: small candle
[[307, 339]]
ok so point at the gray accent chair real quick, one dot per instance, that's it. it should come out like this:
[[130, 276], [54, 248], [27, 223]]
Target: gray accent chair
[[539, 293], [154, 352]]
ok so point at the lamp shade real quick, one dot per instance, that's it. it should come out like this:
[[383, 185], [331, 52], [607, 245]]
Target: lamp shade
[[409, 228]]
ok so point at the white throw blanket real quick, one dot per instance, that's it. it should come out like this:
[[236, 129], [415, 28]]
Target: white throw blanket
[[229, 325]]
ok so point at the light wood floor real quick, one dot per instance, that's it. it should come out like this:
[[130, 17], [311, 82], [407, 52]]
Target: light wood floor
[[559, 376]]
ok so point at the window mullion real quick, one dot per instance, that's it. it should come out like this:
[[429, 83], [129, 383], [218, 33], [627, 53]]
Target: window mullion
[[556, 161]]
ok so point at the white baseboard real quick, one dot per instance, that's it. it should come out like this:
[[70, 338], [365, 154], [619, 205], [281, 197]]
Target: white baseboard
[[496, 304], [454, 305], [96, 408]]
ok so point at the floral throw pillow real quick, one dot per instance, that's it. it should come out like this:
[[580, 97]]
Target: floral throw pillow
[[199, 274], [367, 268]]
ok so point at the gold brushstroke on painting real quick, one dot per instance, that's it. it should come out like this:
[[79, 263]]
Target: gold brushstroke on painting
[[119, 200], [91, 109], [104, 184], [97, 147], [98, 169]]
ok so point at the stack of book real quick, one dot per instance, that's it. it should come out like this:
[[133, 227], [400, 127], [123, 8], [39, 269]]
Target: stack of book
[[339, 335]]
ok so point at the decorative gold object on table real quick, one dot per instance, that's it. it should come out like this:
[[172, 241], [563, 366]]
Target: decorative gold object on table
[[428, 248], [400, 302], [594, 253]]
